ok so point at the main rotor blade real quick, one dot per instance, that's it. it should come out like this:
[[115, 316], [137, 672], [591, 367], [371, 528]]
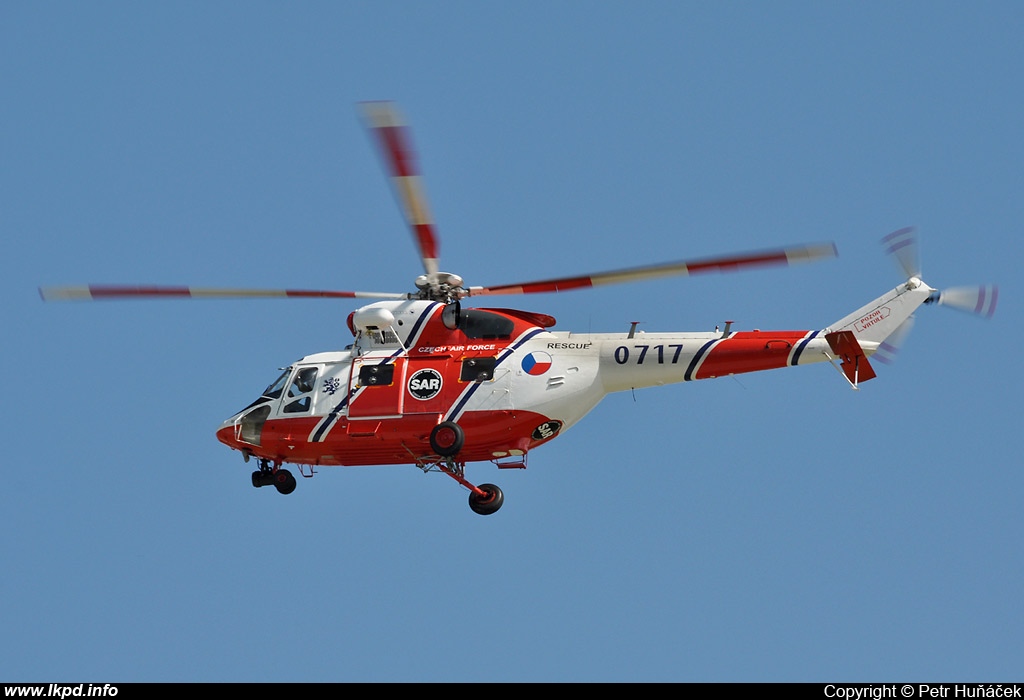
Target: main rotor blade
[[729, 263], [395, 142], [95, 292]]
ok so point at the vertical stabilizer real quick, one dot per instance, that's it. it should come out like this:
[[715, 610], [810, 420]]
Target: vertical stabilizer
[[874, 322]]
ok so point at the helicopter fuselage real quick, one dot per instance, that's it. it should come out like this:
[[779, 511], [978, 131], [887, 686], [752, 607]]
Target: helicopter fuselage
[[500, 374]]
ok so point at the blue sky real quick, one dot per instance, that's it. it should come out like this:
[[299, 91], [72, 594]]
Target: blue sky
[[770, 527]]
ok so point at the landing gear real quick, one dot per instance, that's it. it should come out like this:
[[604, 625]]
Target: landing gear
[[284, 482], [488, 501], [447, 438], [273, 475]]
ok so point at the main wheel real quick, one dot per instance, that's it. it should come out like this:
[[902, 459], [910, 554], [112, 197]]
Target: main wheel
[[284, 482], [447, 438], [489, 503]]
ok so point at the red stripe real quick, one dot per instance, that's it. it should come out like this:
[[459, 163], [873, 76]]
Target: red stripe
[[318, 294], [550, 285], [750, 352], [102, 291], [426, 240], [726, 264], [396, 148]]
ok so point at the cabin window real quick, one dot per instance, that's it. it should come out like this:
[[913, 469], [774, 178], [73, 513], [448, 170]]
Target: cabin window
[[300, 406], [478, 369], [376, 375]]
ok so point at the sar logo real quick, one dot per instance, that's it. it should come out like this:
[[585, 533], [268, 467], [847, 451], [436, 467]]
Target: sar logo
[[547, 430], [425, 384]]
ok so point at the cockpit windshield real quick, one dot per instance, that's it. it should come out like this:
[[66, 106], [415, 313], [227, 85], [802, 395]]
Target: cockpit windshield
[[274, 390]]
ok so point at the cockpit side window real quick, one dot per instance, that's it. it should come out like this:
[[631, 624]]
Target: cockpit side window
[[305, 380], [299, 393]]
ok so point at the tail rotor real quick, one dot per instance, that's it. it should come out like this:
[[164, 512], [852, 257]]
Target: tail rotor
[[903, 246], [890, 347], [980, 301]]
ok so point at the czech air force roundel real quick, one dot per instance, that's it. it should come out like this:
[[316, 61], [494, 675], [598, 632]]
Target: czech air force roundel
[[537, 363]]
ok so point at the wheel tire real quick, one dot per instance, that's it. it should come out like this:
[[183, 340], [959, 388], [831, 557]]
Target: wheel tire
[[485, 505], [447, 438], [257, 478], [284, 482]]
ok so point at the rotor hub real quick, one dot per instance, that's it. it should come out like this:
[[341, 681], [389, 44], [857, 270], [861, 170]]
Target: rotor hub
[[439, 286]]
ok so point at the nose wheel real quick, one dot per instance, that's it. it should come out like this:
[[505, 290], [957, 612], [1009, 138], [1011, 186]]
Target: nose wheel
[[268, 475]]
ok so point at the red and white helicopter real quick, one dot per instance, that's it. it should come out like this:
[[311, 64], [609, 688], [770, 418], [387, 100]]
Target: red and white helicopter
[[432, 383]]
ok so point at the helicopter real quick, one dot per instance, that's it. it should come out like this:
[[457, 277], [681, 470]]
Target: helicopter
[[431, 382]]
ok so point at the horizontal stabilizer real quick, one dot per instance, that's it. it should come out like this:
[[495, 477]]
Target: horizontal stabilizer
[[855, 363]]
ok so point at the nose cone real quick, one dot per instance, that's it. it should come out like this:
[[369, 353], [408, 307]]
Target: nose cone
[[243, 430], [226, 433]]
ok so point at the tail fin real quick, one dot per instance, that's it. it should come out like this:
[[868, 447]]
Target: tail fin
[[877, 320], [882, 325]]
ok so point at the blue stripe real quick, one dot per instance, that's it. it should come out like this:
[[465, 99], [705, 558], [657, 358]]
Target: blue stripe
[[800, 348], [418, 326], [332, 417], [508, 352], [696, 359]]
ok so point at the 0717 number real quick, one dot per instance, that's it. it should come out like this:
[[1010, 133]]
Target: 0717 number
[[657, 353]]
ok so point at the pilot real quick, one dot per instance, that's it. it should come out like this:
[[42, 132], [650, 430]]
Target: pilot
[[304, 380]]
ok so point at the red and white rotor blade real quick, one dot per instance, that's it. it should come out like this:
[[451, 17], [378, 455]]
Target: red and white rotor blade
[[395, 142], [980, 301], [95, 292], [728, 263]]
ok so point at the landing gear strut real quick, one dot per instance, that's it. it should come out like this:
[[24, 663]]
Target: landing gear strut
[[272, 475], [483, 499], [446, 439]]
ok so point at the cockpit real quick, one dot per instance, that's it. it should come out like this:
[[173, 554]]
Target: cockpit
[[293, 388], [298, 398]]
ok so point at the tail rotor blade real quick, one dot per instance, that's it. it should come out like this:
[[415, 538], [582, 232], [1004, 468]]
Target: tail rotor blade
[[902, 245], [980, 301], [891, 346]]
